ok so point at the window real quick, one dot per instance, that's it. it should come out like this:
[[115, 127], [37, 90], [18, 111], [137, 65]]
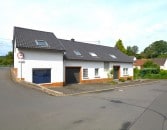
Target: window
[[96, 72], [125, 71], [41, 43], [77, 53], [106, 66], [92, 54], [112, 56], [85, 73]]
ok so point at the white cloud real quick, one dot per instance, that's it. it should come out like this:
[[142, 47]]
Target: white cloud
[[135, 22]]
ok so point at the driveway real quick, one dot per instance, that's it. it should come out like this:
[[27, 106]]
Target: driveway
[[135, 108]]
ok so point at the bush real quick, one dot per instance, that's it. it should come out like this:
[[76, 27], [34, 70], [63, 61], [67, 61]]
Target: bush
[[122, 80], [161, 75], [136, 73], [148, 71], [129, 78]]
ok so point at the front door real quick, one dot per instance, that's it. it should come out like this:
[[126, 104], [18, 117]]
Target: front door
[[116, 72]]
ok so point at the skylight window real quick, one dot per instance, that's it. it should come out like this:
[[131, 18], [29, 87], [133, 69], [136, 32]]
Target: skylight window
[[93, 54], [77, 53], [113, 56], [41, 43]]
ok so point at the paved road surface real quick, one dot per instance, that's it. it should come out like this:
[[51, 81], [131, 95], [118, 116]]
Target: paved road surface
[[137, 108]]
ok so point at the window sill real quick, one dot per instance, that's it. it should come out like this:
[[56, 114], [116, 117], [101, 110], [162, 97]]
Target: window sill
[[125, 75], [97, 76], [85, 78]]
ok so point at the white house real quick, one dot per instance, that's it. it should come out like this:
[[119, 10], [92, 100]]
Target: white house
[[41, 58], [162, 62]]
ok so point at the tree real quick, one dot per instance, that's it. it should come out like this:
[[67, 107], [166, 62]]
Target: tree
[[7, 60], [119, 45], [132, 51], [150, 64], [156, 49]]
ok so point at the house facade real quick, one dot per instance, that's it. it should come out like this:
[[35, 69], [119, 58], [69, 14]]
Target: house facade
[[41, 58]]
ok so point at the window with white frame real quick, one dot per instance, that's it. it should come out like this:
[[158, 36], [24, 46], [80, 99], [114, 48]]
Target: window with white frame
[[85, 73], [41, 43], [125, 71], [106, 66], [96, 72]]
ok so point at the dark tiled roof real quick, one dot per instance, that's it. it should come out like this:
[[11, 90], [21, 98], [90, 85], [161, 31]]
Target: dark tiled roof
[[25, 38], [159, 61], [103, 52]]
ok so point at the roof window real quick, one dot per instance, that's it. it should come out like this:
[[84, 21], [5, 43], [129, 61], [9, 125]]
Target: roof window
[[77, 53], [92, 54], [112, 56], [41, 43]]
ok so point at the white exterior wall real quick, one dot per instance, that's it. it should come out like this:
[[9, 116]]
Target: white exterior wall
[[90, 65], [102, 73], [40, 59], [122, 66], [164, 67]]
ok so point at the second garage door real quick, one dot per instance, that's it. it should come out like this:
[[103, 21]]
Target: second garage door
[[72, 75]]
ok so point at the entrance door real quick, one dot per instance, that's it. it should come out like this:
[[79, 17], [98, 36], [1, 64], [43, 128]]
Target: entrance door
[[116, 72], [41, 76], [72, 75]]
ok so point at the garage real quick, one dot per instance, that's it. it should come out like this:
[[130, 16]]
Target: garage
[[72, 75], [41, 76]]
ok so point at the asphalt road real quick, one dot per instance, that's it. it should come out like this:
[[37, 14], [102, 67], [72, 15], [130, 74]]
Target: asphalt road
[[135, 108]]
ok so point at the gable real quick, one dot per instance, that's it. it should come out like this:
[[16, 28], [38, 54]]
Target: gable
[[28, 38]]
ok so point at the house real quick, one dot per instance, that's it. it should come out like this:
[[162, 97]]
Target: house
[[162, 62], [139, 63], [41, 58]]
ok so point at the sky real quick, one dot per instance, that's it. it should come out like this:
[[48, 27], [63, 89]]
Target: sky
[[135, 22]]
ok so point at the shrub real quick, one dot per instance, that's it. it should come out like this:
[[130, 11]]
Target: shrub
[[129, 78], [148, 71], [136, 73], [122, 80]]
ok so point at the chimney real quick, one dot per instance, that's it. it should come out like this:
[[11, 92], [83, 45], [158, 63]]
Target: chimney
[[73, 40]]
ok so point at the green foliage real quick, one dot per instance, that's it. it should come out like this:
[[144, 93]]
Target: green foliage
[[161, 75], [122, 80], [150, 64], [132, 51], [129, 78], [156, 49], [7, 60], [136, 73], [119, 45], [149, 69]]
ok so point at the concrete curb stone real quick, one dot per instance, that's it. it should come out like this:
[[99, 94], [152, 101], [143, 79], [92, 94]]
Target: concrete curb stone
[[57, 93]]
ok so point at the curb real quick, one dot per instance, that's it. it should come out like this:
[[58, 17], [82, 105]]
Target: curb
[[36, 86], [56, 93], [109, 89], [95, 91]]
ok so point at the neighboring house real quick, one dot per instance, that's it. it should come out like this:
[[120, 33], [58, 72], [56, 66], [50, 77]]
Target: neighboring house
[[41, 58], [139, 63], [162, 62]]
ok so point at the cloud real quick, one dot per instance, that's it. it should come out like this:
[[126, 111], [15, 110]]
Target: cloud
[[135, 22]]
